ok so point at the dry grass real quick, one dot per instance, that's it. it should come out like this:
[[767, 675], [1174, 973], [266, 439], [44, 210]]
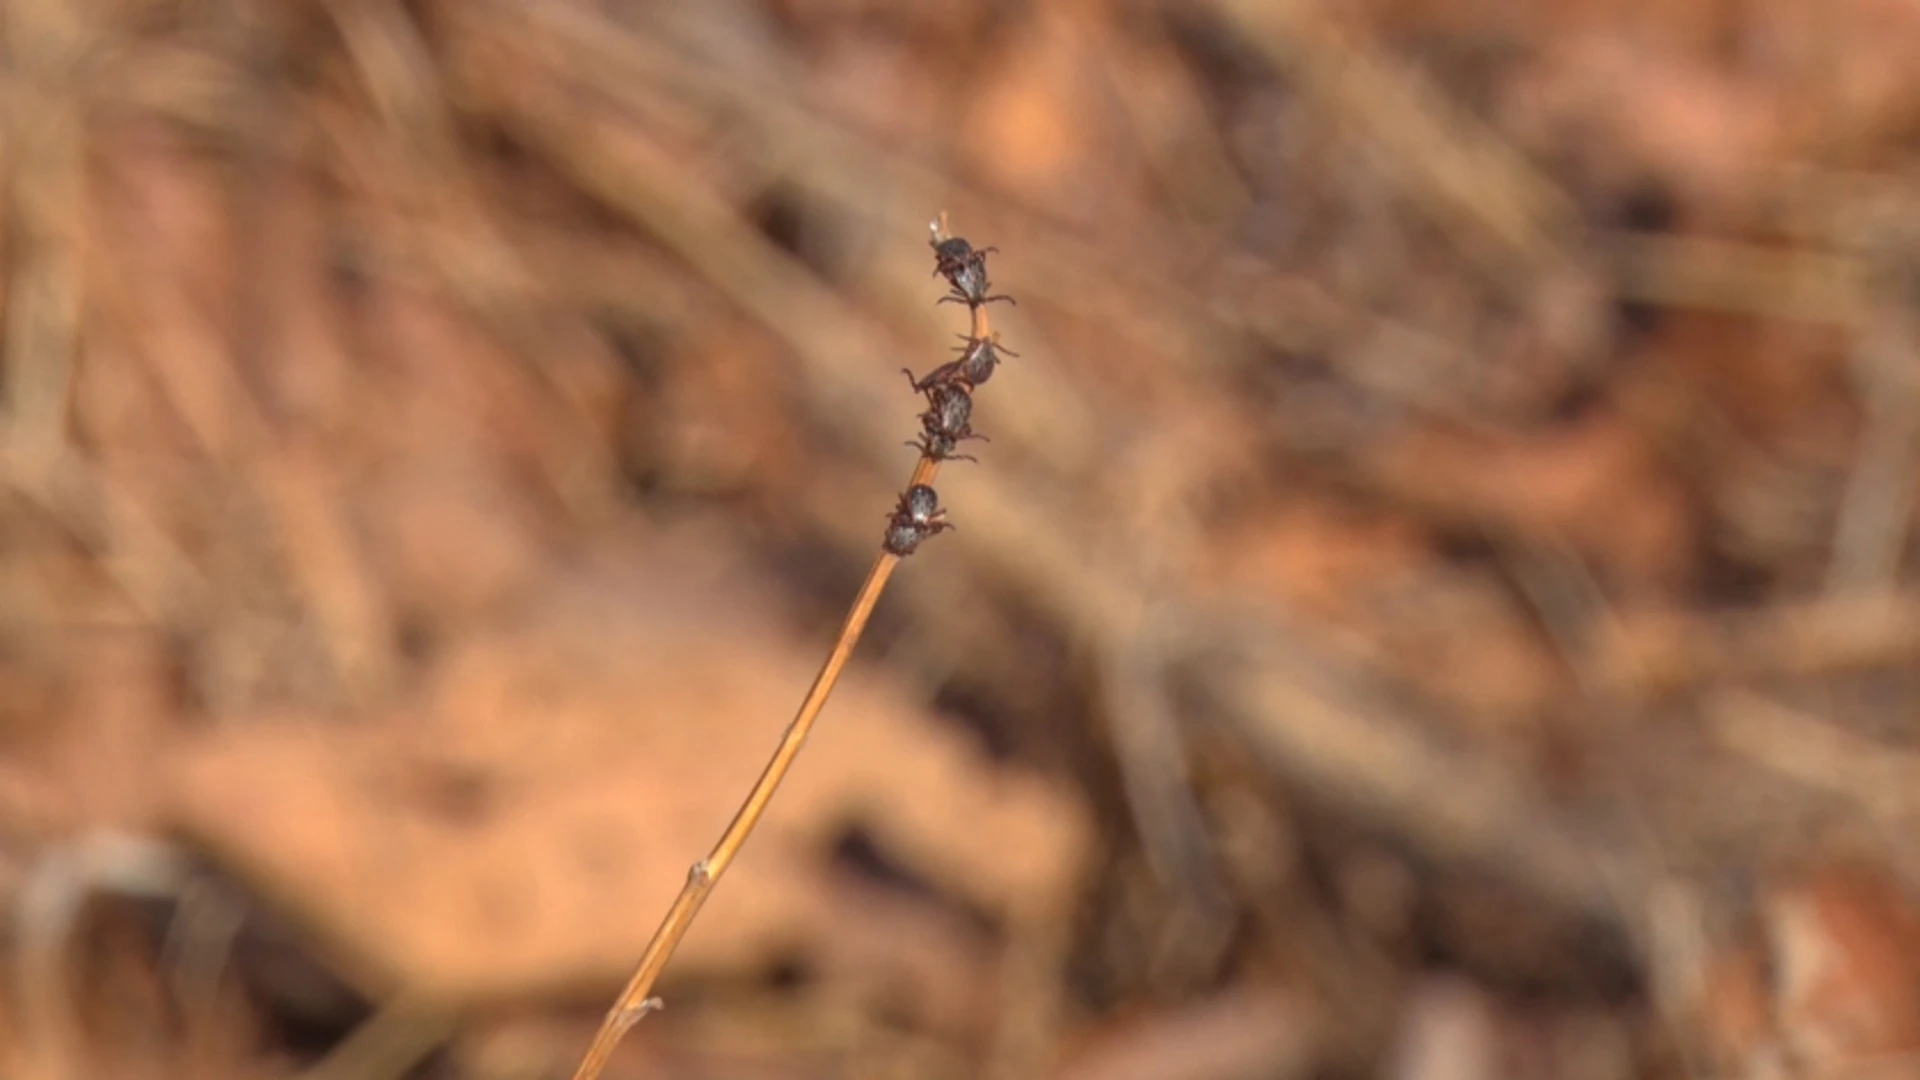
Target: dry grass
[[1461, 461]]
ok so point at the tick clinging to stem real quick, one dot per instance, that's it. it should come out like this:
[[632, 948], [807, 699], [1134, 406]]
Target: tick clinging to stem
[[978, 358], [947, 422], [965, 268], [949, 388], [915, 517], [918, 516], [934, 446]]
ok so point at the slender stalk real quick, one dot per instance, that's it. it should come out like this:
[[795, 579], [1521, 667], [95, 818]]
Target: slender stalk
[[637, 999]]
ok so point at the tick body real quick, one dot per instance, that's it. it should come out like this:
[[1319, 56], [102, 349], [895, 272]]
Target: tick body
[[970, 284], [951, 413], [952, 254], [917, 517], [978, 358], [965, 268], [903, 538], [919, 504], [939, 447], [947, 422], [941, 376]]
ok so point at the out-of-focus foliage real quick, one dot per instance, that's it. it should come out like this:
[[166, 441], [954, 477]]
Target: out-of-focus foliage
[[1438, 600]]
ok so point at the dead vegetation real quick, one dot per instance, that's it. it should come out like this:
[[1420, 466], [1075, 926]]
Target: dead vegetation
[[1439, 604]]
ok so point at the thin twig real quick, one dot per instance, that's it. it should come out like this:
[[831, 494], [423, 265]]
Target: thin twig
[[637, 999]]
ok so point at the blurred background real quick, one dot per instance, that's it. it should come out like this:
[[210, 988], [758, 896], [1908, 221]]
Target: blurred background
[[1438, 602]]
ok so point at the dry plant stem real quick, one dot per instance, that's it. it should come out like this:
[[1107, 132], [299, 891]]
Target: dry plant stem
[[636, 1000]]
